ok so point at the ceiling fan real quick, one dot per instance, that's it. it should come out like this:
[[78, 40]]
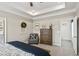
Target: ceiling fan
[[31, 4]]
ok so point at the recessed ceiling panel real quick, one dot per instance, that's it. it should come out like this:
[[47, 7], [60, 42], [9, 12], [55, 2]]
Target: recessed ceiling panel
[[37, 8]]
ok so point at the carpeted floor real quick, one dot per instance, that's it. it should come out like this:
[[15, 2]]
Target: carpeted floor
[[64, 50]]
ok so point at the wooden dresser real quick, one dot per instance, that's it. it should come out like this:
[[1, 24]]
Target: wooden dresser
[[46, 36]]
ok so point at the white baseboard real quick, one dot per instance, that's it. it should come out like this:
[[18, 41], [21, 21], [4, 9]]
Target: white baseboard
[[57, 44]]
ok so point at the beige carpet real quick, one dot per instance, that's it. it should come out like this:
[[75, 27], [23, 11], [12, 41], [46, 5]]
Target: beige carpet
[[57, 51]]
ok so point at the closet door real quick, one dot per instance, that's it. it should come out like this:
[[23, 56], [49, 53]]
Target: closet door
[[45, 36]]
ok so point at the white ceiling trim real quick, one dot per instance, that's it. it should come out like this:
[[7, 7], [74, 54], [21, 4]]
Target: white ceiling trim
[[57, 14], [22, 10], [32, 14], [41, 14], [58, 7], [15, 13]]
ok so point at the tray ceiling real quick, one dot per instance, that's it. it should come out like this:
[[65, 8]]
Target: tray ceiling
[[24, 8]]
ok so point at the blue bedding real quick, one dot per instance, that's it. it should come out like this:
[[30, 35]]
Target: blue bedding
[[28, 48]]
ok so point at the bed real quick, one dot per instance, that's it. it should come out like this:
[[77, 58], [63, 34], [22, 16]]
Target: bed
[[17, 48], [9, 50], [29, 48]]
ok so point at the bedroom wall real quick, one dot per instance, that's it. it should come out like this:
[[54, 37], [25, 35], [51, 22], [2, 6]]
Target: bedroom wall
[[77, 11], [56, 22], [14, 31], [46, 23], [65, 29]]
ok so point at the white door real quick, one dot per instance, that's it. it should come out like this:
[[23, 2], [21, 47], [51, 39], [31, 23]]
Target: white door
[[2, 30]]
